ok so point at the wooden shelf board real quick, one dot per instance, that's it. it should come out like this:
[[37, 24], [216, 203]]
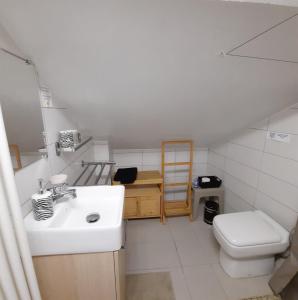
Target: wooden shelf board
[[181, 163], [176, 184], [145, 177], [142, 190], [177, 142], [141, 217], [175, 208], [177, 211]]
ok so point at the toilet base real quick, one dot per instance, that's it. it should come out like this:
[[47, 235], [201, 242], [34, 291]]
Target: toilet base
[[250, 267]]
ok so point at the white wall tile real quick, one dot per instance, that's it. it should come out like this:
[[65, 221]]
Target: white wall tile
[[284, 193], [280, 213], [181, 156], [228, 209], [251, 138], [236, 202], [151, 158], [241, 189], [247, 156], [260, 173], [287, 150], [219, 149], [180, 195], [213, 171], [151, 167], [285, 121], [282, 168], [128, 159], [216, 160], [200, 156], [243, 173], [170, 156], [169, 196], [199, 169]]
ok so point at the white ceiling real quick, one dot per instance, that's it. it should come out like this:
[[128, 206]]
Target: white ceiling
[[279, 43], [139, 71], [293, 3]]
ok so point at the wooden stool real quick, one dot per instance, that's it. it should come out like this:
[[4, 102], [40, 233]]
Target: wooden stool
[[199, 193]]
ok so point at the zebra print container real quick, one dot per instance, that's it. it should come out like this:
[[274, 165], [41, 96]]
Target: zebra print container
[[68, 138], [42, 205]]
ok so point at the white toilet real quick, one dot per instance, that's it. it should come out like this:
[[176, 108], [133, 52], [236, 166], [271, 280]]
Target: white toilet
[[249, 240]]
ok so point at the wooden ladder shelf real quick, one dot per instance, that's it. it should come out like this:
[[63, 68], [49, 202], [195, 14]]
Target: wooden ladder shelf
[[177, 207]]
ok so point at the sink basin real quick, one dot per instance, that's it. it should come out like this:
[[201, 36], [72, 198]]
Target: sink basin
[[68, 230]]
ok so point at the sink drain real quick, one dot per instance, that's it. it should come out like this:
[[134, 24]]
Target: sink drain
[[92, 218]]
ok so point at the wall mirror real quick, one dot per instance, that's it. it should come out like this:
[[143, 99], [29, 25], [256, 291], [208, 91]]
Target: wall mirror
[[19, 99]]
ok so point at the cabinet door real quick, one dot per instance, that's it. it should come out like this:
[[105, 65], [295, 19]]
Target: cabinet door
[[131, 207], [119, 259], [149, 206], [77, 276]]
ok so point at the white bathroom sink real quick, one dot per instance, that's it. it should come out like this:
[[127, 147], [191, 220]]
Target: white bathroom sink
[[68, 231]]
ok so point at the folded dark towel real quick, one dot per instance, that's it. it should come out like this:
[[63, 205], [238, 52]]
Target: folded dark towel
[[126, 175]]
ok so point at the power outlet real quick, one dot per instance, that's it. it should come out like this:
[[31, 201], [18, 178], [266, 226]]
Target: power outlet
[[279, 137]]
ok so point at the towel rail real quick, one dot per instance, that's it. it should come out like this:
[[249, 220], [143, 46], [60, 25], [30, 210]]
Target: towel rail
[[95, 164]]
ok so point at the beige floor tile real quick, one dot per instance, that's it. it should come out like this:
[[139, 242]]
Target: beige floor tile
[[193, 252], [140, 286], [178, 281], [242, 288], [153, 255], [206, 236], [181, 228], [189, 251], [203, 283], [150, 230]]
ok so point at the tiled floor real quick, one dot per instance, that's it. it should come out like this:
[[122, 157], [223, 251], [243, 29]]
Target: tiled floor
[[189, 252]]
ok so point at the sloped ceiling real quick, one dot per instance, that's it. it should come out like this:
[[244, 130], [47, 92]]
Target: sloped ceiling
[[279, 43], [292, 3], [139, 71]]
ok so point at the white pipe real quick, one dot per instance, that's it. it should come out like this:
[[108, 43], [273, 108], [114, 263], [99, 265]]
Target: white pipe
[[7, 288], [1, 293], [11, 246], [15, 210]]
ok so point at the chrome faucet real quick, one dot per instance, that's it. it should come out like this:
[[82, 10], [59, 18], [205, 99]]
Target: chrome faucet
[[61, 191]]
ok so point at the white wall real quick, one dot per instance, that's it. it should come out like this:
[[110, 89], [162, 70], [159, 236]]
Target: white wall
[[153, 70], [150, 159], [258, 172], [69, 163]]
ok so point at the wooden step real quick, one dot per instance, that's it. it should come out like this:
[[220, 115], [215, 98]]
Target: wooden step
[[175, 208], [176, 184], [177, 142], [181, 163]]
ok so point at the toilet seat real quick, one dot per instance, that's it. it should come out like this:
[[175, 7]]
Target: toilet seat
[[249, 234]]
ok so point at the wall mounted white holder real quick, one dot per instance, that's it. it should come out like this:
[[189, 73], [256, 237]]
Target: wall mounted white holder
[[74, 148]]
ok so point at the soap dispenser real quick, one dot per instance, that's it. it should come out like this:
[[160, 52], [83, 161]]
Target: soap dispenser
[[42, 203]]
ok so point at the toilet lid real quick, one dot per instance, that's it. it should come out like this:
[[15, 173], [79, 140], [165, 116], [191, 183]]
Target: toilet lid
[[246, 229]]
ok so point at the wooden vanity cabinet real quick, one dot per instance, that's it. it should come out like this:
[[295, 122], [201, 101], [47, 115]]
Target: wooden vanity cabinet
[[142, 202], [91, 276], [143, 198]]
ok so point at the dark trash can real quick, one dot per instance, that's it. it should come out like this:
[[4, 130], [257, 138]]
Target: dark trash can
[[211, 210]]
